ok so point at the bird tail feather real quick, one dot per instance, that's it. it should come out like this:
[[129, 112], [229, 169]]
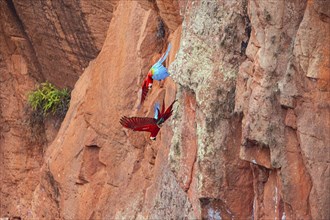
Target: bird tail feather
[[163, 58]]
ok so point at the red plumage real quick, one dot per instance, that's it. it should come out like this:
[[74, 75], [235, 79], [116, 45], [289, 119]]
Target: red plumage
[[147, 124], [168, 111], [146, 86], [141, 124]]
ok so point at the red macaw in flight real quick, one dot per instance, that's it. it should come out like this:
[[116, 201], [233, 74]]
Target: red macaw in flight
[[151, 125], [156, 72]]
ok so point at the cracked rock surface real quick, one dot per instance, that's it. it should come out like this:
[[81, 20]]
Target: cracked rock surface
[[249, 136]]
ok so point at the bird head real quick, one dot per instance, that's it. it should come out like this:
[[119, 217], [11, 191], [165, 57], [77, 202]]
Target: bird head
[[149, 81]]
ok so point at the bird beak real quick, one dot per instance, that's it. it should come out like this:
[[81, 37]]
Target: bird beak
[[153, 138], [150, 86]]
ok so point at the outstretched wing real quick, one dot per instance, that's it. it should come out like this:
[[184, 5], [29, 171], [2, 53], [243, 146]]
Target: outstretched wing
[[141, 124], [165, 115], [138, 123]]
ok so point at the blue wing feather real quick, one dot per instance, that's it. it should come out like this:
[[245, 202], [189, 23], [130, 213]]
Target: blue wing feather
[[156, 109], [160, 72], [163, 58]]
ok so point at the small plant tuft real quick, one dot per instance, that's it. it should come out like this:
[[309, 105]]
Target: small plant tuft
[[49, 99]]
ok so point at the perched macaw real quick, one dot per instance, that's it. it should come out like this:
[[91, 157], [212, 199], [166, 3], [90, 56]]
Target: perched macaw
[[156, 72], [151, 125]]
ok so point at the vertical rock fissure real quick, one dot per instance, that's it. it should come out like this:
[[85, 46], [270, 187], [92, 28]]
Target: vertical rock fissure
[[190, 178], [83, 51], [39, 77]]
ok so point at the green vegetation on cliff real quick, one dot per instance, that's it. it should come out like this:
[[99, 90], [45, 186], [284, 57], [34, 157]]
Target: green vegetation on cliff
[[49, 99]]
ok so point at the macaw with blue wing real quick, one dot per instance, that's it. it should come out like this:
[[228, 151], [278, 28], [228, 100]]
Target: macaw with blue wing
[[151, 125], [156, 72]]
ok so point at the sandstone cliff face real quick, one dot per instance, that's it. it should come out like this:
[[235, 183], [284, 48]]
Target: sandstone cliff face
[[38, 41], [205, 147], [112, 167], [283, 93], [249, 137], [65, 35], [20, 149]]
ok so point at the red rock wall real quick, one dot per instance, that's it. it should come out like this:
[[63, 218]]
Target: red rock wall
[[65, 35], [20, 144], [249, 137], [283, 93], [113, 167], [39, 40]]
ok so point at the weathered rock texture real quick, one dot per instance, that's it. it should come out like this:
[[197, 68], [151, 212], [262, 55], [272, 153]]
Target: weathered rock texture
[[65, 35], [249, 137], [39, 40], [205, 146], [283, 93], [113, 167], [20, 144]]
